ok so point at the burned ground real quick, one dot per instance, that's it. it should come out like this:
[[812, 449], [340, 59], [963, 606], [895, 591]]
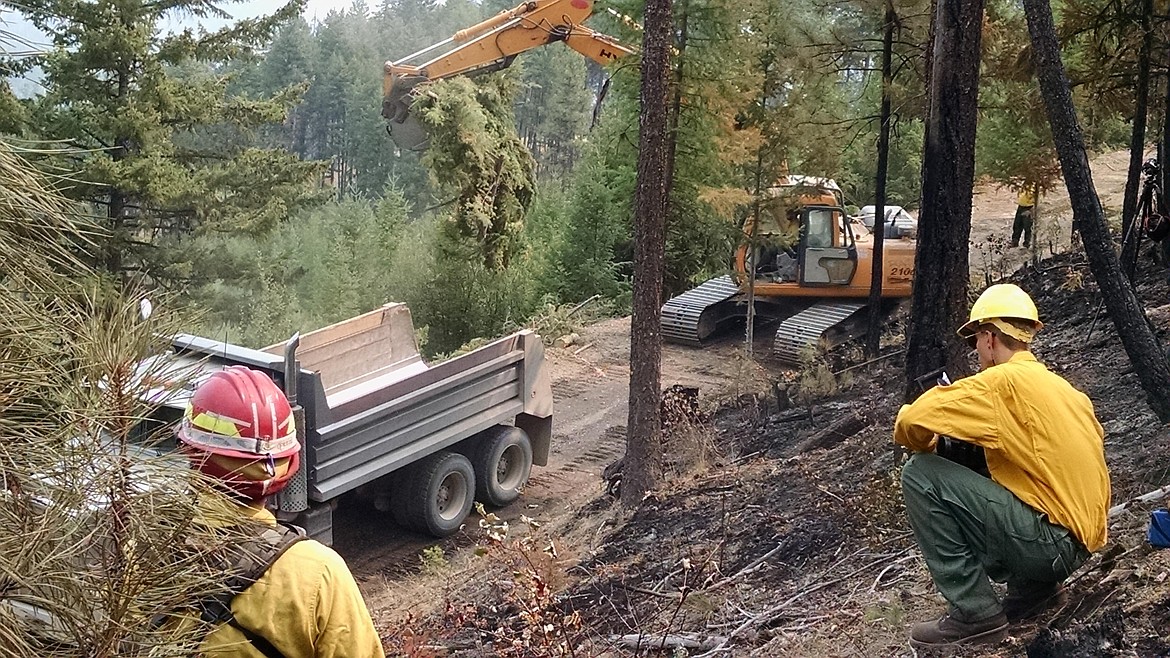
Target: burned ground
[[833, 527]]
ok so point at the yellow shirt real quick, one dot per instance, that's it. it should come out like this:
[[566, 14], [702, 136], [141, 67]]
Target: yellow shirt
[[1042, 441], [1026, 198], [307, 605]]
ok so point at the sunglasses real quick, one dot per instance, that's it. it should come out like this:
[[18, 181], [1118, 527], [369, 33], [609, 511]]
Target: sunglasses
[[973, 339]]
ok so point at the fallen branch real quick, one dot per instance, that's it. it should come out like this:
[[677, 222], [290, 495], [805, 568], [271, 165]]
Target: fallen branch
[[674, 596], [746, 457], [877, 581], [751, 568], [1144, 498], [849, 424], [582, 348], [582, 305], [670, 641]]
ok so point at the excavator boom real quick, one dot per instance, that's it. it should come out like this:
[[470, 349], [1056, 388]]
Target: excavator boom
[[488, 46]]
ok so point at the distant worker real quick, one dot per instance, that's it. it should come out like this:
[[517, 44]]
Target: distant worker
[[239, 429], [1025, 213], [1042, 511]]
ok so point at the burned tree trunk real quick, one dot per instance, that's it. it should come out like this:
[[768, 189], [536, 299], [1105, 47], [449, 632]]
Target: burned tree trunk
[[1130, 231], [1126, 311], [643, 463], [874, 326], [941, 269]]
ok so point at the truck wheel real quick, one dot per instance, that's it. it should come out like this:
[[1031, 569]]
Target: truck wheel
[[437, 495], [503, 460]]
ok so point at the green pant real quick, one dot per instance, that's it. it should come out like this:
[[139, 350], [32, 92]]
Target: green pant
[[1022, 224], [971, 530]]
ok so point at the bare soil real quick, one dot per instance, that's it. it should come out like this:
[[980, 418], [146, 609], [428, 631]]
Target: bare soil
[[757, 546]]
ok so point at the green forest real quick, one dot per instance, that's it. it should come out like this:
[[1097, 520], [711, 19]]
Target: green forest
[[246, 175]]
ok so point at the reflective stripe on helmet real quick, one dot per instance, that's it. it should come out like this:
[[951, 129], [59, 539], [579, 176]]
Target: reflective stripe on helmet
[[215, 423], [195, 436]]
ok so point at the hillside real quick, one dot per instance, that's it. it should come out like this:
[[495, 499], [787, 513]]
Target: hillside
[[762, 544]]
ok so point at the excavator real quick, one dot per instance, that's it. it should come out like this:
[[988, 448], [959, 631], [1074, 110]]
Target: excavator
[[810, 267], [488, 46]]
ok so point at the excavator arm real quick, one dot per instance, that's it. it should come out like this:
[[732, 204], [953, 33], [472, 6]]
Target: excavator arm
[[489, 46]]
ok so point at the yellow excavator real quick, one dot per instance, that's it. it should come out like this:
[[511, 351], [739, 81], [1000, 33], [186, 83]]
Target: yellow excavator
[[489, 46], [810, 266]]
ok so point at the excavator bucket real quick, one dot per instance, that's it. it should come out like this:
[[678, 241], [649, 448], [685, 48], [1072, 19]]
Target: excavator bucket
[[404, 128]]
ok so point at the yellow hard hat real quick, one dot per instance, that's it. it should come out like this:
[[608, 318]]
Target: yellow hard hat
[[1006, 301]]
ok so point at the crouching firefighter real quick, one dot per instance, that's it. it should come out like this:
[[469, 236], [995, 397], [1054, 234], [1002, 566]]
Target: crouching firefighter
[[288, 596], [1043, 509]]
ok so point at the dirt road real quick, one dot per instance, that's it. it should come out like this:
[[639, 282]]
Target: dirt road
[[590, 386]]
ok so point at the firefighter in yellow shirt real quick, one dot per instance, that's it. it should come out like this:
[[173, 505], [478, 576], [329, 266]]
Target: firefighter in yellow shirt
[[239, 429], [1044, 508], [1025, 207]]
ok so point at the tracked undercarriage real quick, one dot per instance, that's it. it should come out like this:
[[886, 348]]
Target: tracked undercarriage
[[805, 322]]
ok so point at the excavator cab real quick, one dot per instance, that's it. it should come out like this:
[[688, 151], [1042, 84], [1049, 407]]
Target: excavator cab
[[488, 46], [828, 249], [802, 239]]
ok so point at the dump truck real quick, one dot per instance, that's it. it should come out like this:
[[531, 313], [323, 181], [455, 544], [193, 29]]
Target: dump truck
[[808, 267], [422, 441]]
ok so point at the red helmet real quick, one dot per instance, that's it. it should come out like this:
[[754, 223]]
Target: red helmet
[[243, 426]]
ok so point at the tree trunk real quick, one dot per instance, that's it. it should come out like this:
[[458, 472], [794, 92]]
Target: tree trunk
[[1164, 144], [873, 333], [676, 104], [941, 269], [1143, 349], [643, 466], [1130, 233]]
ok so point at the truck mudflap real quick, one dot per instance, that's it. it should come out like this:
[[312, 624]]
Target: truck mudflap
[[809, 326], [694, 315]]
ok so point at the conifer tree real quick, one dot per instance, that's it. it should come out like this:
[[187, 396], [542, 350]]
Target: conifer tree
[[155, 144]]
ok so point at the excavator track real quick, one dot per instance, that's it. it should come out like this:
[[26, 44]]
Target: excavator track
[[808, 326], [687, 318]]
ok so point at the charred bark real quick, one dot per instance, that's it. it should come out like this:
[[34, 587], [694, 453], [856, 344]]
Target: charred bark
[[1142, 347], [941, 269], [643, 464], [1131, 233], [873, 332], [1164, 145], [849, 424]]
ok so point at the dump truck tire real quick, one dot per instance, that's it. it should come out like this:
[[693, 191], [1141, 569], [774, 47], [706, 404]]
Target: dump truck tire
[[503, 461], [436, 494]]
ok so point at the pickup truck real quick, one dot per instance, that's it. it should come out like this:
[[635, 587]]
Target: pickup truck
[[424, 441]]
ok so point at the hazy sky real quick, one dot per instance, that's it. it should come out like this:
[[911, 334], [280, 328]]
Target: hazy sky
[[12, 22], [19, 36]]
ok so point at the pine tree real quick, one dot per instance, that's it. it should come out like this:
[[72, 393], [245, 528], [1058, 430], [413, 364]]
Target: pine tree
[[157, 145]]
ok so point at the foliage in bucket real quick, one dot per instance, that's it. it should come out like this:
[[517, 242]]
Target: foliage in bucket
[[476, 154]]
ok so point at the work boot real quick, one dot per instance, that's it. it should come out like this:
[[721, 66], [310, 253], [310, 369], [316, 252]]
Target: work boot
[[949, 631], [1019, 607]]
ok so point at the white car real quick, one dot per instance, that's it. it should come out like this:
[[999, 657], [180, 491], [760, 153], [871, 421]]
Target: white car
[[902, 222]]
